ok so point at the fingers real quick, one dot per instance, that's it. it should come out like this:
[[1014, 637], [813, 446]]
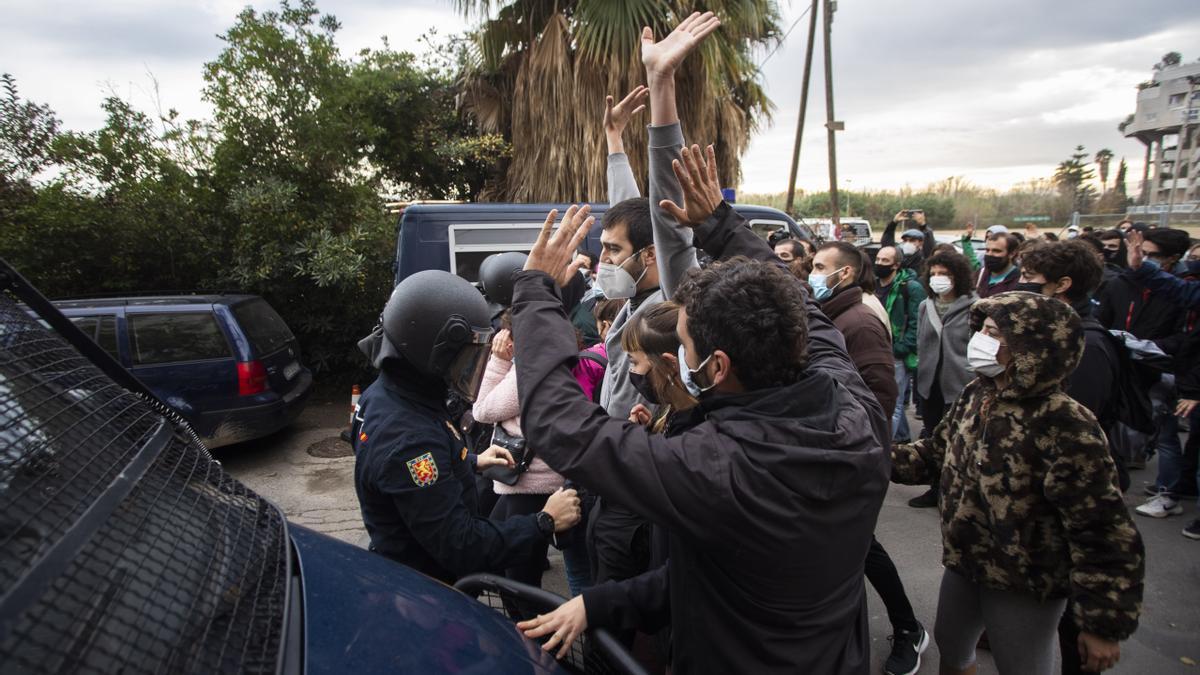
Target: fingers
[[544, 235], [685, 179], [542, 624], [637, 110], [712, 167], [672, 208], [706, 27], [647, 35], [504, 454], [691, 20], [640, 91], [567, 642], [692, 158]]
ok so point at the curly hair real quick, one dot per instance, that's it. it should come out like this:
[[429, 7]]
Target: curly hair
[[754, 312], [1074, 259], [959, 268]]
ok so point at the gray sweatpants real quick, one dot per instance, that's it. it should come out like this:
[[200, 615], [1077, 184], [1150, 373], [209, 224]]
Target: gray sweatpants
[[1022, 631]]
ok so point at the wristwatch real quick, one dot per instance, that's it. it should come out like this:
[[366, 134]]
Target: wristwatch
[[545, 523]]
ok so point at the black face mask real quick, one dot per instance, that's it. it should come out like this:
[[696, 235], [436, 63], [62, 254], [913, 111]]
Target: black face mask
[[883, 271], [995, 263], [1029, 287], [643, 386], [1111, 256]]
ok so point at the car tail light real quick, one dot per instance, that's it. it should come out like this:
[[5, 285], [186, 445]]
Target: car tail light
[[252, 378]]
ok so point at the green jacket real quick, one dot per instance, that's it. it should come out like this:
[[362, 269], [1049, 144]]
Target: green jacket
[[903, 302]]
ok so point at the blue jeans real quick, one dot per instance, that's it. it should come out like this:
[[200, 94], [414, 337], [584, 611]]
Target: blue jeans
[[579, 568], [900, 430], [1166, 440]]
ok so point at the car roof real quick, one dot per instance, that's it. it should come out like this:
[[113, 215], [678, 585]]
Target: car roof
[[154, 301]]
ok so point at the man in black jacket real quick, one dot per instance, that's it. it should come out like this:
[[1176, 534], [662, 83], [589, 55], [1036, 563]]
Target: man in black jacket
[[789, 461]]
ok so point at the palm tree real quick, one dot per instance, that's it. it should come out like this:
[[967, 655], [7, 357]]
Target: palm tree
[[1103, 157], [537, 71]]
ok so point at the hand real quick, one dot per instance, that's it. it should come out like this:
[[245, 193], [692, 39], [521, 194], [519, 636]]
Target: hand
[[1098, 654], [640, 415], [567, 623], [554, 253], [494, 456], [970, 231], [1134, 255], [502, 345], [663, 57], [919, 218], [701, 189], [900, 217], [1031, 231], [616, 117], [1185, 407], [564, 507]]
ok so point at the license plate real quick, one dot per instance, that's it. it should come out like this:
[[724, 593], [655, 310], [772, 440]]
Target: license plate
[[291, 370]]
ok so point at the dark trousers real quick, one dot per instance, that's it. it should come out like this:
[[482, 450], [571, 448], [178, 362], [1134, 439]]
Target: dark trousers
[[523, 505], [882, 574], [933, 409]]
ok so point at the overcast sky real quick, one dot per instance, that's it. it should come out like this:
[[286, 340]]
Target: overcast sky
[[996, 91]]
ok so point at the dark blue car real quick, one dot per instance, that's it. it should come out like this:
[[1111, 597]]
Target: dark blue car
[[127, 549], [457, 237], [227, 363]]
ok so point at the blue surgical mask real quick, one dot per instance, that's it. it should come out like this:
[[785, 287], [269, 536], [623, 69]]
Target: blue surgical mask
[[685, 375], [820, 291]]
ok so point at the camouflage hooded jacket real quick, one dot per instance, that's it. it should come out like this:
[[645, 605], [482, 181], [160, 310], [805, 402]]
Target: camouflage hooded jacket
[[1029, 495]]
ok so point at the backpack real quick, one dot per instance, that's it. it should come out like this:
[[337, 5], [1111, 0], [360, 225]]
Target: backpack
[[1130, 405], [596, 358]]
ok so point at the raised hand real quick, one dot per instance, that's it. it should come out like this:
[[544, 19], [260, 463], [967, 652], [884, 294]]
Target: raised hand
[[701, 188], [1134, 255], [616, 117], [664, 56], [554, 253], [970, 230]]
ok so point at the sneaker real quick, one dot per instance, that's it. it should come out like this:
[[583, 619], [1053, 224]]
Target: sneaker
[[1192, 531], [1152, 490], [925, 501], [1160, 507], [907, 648]]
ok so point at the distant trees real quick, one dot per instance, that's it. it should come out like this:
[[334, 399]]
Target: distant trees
[[1071, 178], [281, 193], [1103, 157]]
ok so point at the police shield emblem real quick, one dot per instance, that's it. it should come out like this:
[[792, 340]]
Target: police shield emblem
[[423, 470]]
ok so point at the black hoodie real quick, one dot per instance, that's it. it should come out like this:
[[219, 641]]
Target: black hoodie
[[771, 501]]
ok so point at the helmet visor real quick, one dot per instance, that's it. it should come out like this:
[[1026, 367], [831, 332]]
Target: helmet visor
[[466, 371]]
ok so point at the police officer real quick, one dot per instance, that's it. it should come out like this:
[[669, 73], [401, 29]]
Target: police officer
[[413, 474]]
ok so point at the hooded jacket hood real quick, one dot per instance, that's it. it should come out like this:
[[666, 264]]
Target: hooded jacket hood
[[1044, 336]]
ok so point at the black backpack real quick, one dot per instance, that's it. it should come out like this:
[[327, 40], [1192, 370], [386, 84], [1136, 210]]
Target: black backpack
[[1131, 404]]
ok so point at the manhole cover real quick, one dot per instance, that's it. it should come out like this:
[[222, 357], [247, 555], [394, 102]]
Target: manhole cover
[[331, 447]]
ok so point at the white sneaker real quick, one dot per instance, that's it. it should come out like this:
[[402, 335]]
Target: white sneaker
[[1160, 507]]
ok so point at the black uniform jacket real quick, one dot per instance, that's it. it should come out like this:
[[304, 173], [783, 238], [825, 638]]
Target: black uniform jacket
[[416, 486], [771, 501]]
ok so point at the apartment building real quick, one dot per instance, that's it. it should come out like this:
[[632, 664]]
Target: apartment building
[[1169, 103]]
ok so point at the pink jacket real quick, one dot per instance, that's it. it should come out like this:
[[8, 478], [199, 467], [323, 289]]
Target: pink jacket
[[497, 403], [590, 374]]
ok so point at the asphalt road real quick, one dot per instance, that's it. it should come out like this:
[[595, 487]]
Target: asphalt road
[[318, 492]]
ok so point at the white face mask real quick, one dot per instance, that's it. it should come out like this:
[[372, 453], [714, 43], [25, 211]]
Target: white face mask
[[981, 355], [615, 283], [908, 248], [940, 284]]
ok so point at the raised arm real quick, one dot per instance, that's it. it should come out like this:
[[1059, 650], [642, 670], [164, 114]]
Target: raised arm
[[672, 243], [622, 184]]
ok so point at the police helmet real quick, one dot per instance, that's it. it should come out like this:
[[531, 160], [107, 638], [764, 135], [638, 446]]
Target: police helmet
[[495, 275], [440, 324]]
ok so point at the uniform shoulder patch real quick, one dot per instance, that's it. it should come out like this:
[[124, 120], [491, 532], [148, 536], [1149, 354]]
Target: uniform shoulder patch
[[423, 470]]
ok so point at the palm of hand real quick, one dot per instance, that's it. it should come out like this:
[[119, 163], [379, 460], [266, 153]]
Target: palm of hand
[[668, 53]]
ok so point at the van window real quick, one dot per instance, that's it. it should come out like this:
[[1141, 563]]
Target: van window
[[166, 338], [470, 244], [102, 330], [265, 328]]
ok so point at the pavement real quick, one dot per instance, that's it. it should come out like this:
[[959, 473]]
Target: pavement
[[294, 470]]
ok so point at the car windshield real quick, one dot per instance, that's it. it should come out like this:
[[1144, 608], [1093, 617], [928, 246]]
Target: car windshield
[[265, 328], [123, 546]]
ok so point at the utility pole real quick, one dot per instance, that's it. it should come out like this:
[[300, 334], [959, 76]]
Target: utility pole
[[831, 126], [808, 59], [1183, 139]]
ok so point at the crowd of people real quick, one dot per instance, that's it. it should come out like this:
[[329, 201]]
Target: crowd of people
[[706, 423]]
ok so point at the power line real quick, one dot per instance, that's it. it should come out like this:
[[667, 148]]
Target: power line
[[784, 38]]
